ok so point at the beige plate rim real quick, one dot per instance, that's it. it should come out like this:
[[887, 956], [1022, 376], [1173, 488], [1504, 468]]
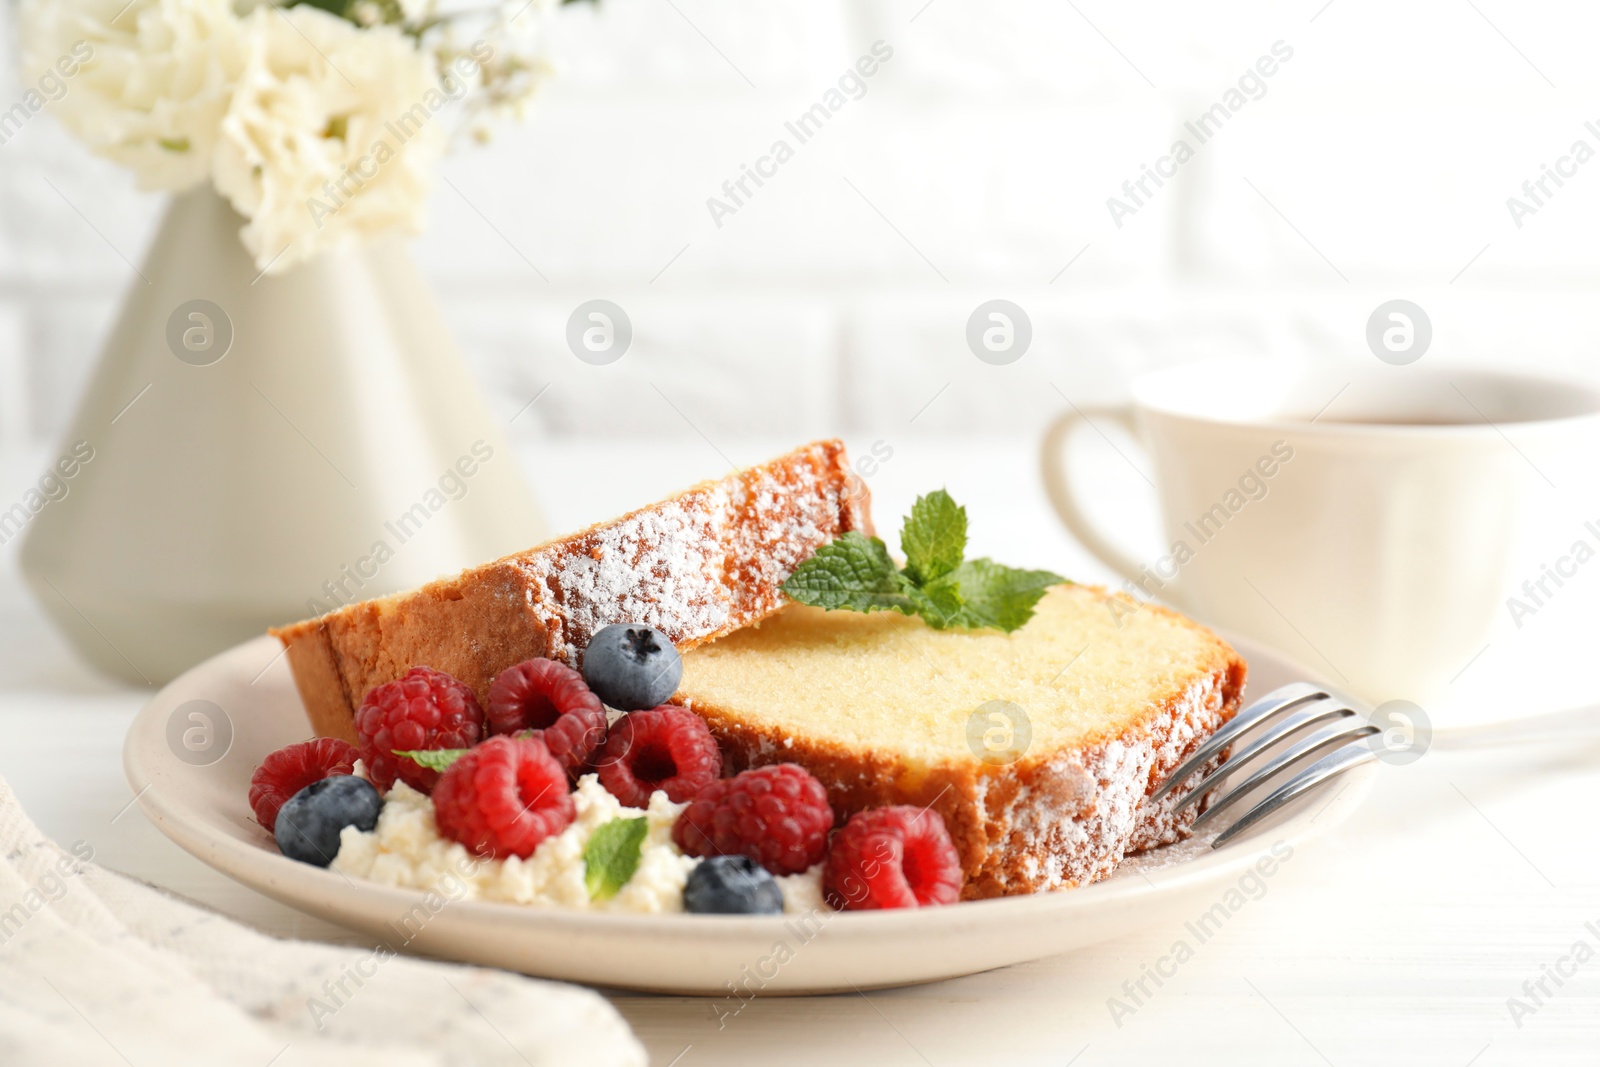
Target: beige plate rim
[[205, 811]]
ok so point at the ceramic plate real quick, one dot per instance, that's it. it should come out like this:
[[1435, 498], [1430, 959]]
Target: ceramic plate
[[190, 753]]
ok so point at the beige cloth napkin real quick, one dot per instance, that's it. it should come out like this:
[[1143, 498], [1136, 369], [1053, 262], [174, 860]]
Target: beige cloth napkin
[[96, 968]]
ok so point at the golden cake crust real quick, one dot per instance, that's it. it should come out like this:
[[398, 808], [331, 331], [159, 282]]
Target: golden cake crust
[[697, 565], [1048, 821]]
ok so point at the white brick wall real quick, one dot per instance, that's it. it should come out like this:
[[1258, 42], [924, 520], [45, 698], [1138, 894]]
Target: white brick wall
[[990, 142]]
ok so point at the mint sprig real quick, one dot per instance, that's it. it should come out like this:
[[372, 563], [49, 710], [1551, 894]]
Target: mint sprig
[[856, 573], [435, 759], [612, 855]]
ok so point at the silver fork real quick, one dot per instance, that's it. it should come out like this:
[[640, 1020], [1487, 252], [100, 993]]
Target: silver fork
[[1306, 719]]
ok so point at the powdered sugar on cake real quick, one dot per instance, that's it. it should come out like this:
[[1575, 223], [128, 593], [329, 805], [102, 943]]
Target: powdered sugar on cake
[[693, 565], [659, 567], [1088, 809]]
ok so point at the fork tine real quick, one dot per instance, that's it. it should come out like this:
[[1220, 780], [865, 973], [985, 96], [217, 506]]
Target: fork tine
[[1316, 712], [1330, 766], [1271, 704], [1348, 731]]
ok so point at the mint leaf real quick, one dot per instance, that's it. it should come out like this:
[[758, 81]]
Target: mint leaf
[[934, 537], [435, 759], [855, 573], [851, 572], [940, 604], [992, 594], [612, 855]]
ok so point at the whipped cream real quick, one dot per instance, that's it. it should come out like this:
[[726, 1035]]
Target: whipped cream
[[406, 850]]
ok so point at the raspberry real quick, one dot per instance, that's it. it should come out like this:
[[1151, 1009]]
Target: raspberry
[[896, 857], [778, 816], [423, 710], [665, 748], [503, 798], [290, 769], [552, 700]]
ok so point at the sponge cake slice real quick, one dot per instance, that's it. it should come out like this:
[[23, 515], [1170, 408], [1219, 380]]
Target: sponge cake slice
[[697, 565], [1113, 696]]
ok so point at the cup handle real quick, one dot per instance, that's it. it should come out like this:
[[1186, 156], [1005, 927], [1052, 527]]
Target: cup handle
[[1053, 467]]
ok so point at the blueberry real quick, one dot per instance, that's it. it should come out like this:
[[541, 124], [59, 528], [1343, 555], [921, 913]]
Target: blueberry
[[632, 667], [309, 822], [732, 885]]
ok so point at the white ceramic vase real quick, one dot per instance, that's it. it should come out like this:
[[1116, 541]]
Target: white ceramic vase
[[264, 447]]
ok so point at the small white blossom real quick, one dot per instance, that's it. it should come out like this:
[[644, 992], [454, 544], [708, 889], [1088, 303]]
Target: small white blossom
[[417, 11]]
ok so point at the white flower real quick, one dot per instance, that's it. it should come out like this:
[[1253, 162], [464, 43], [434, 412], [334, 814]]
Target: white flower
[[156, 83], [334, 132]]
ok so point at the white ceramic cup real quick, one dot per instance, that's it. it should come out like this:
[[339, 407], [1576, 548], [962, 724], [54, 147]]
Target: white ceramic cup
[[1361, 518]]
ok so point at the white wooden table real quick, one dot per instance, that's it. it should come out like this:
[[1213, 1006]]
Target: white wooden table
[[1396, 939]]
